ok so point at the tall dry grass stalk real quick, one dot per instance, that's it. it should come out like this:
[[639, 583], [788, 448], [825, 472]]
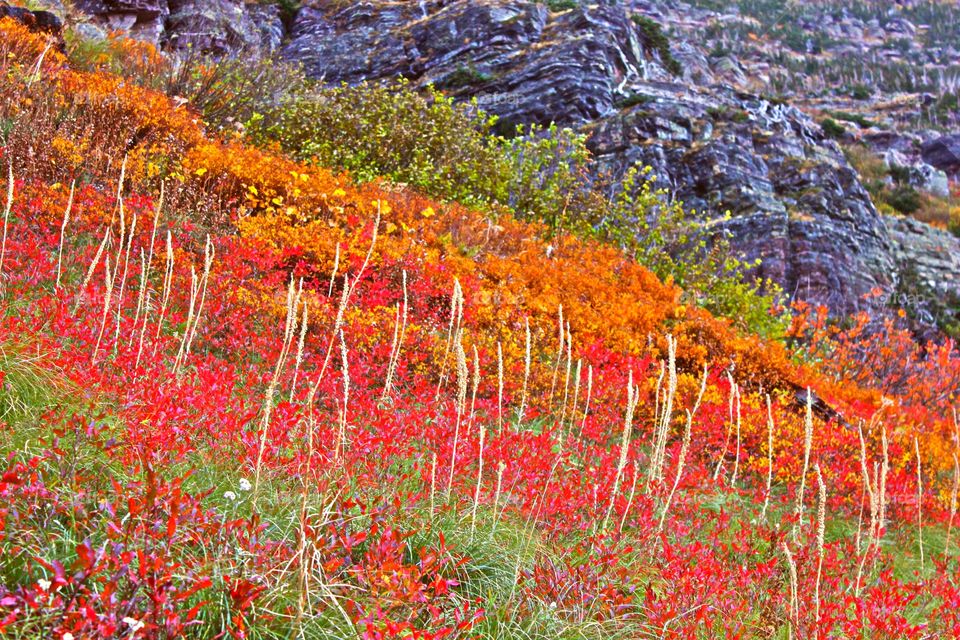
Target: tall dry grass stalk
[[90, 270], [794, 610], [526, 373], [63, 230], [290, 321], [341, 445], [107, 297], [586, 404], [576, 396], [6, 216], [433, 486], [560, 352], [630, 497], [191, 310], [141, 294], [807, 446], [456, 315], [633, 398], [122, 215], [501, 467], [684, 447], [736, 458], [476, 493], [208, 255], [473, 391], [123, 279], [916, 448], [566, 377], [333, 272], [462, 382], [149, 262], [953, 503], [499, 386], [662, 426], [399, 332], [729, 427], [301, 343], [167, 285], [766, 500], [143, 330], [821, 531]]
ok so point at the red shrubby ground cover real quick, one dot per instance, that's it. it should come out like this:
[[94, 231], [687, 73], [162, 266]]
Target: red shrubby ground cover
[[216, 451]]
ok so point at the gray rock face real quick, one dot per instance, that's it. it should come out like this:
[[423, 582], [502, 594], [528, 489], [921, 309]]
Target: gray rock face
[[794, 201], [219, 27], [943, 153]]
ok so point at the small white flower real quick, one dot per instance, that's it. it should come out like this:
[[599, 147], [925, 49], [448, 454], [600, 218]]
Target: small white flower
[[43, 584], [67, 636], [135, 625], [230, 495], [245, 485]]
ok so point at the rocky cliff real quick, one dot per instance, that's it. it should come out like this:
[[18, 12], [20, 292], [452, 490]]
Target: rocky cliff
[[609, 69]]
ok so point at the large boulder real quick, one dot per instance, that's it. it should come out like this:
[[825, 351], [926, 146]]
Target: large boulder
[[943, 153]]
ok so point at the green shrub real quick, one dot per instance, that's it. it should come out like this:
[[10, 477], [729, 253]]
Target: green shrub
[[562, 5], [832, 128], [448, 150], [904, 199], [653, 35]]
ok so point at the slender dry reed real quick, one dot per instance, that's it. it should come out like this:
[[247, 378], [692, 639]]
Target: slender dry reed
[[143, 331], [807, 445], [301, 342], [586, 404], [433, 486], [916, 448], [473, 391], [208, 255], [736, 458], [123, 279], [6, 216], [149, 261], [107, 296], [556, 366], [821, 530], [953, 503], [476, 493], [501, 467], [333, 272], [566, 377], [766, 500], [456, 315], [729, 429], [632, 399], [662, 426], [399, 332], [341, 445], [462, 381], [289, 324], [499, 386], [167, 285], [794, 608], [63, 230], [526, 374], [684, 447]]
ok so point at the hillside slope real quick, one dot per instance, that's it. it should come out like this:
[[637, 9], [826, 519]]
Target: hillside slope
[[245, 397]]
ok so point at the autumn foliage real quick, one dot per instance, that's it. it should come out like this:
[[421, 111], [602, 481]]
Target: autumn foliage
[[199, 438]]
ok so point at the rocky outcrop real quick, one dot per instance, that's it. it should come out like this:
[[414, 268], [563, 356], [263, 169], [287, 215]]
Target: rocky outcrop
[[943, 153], [218, 27], [794, 201]]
